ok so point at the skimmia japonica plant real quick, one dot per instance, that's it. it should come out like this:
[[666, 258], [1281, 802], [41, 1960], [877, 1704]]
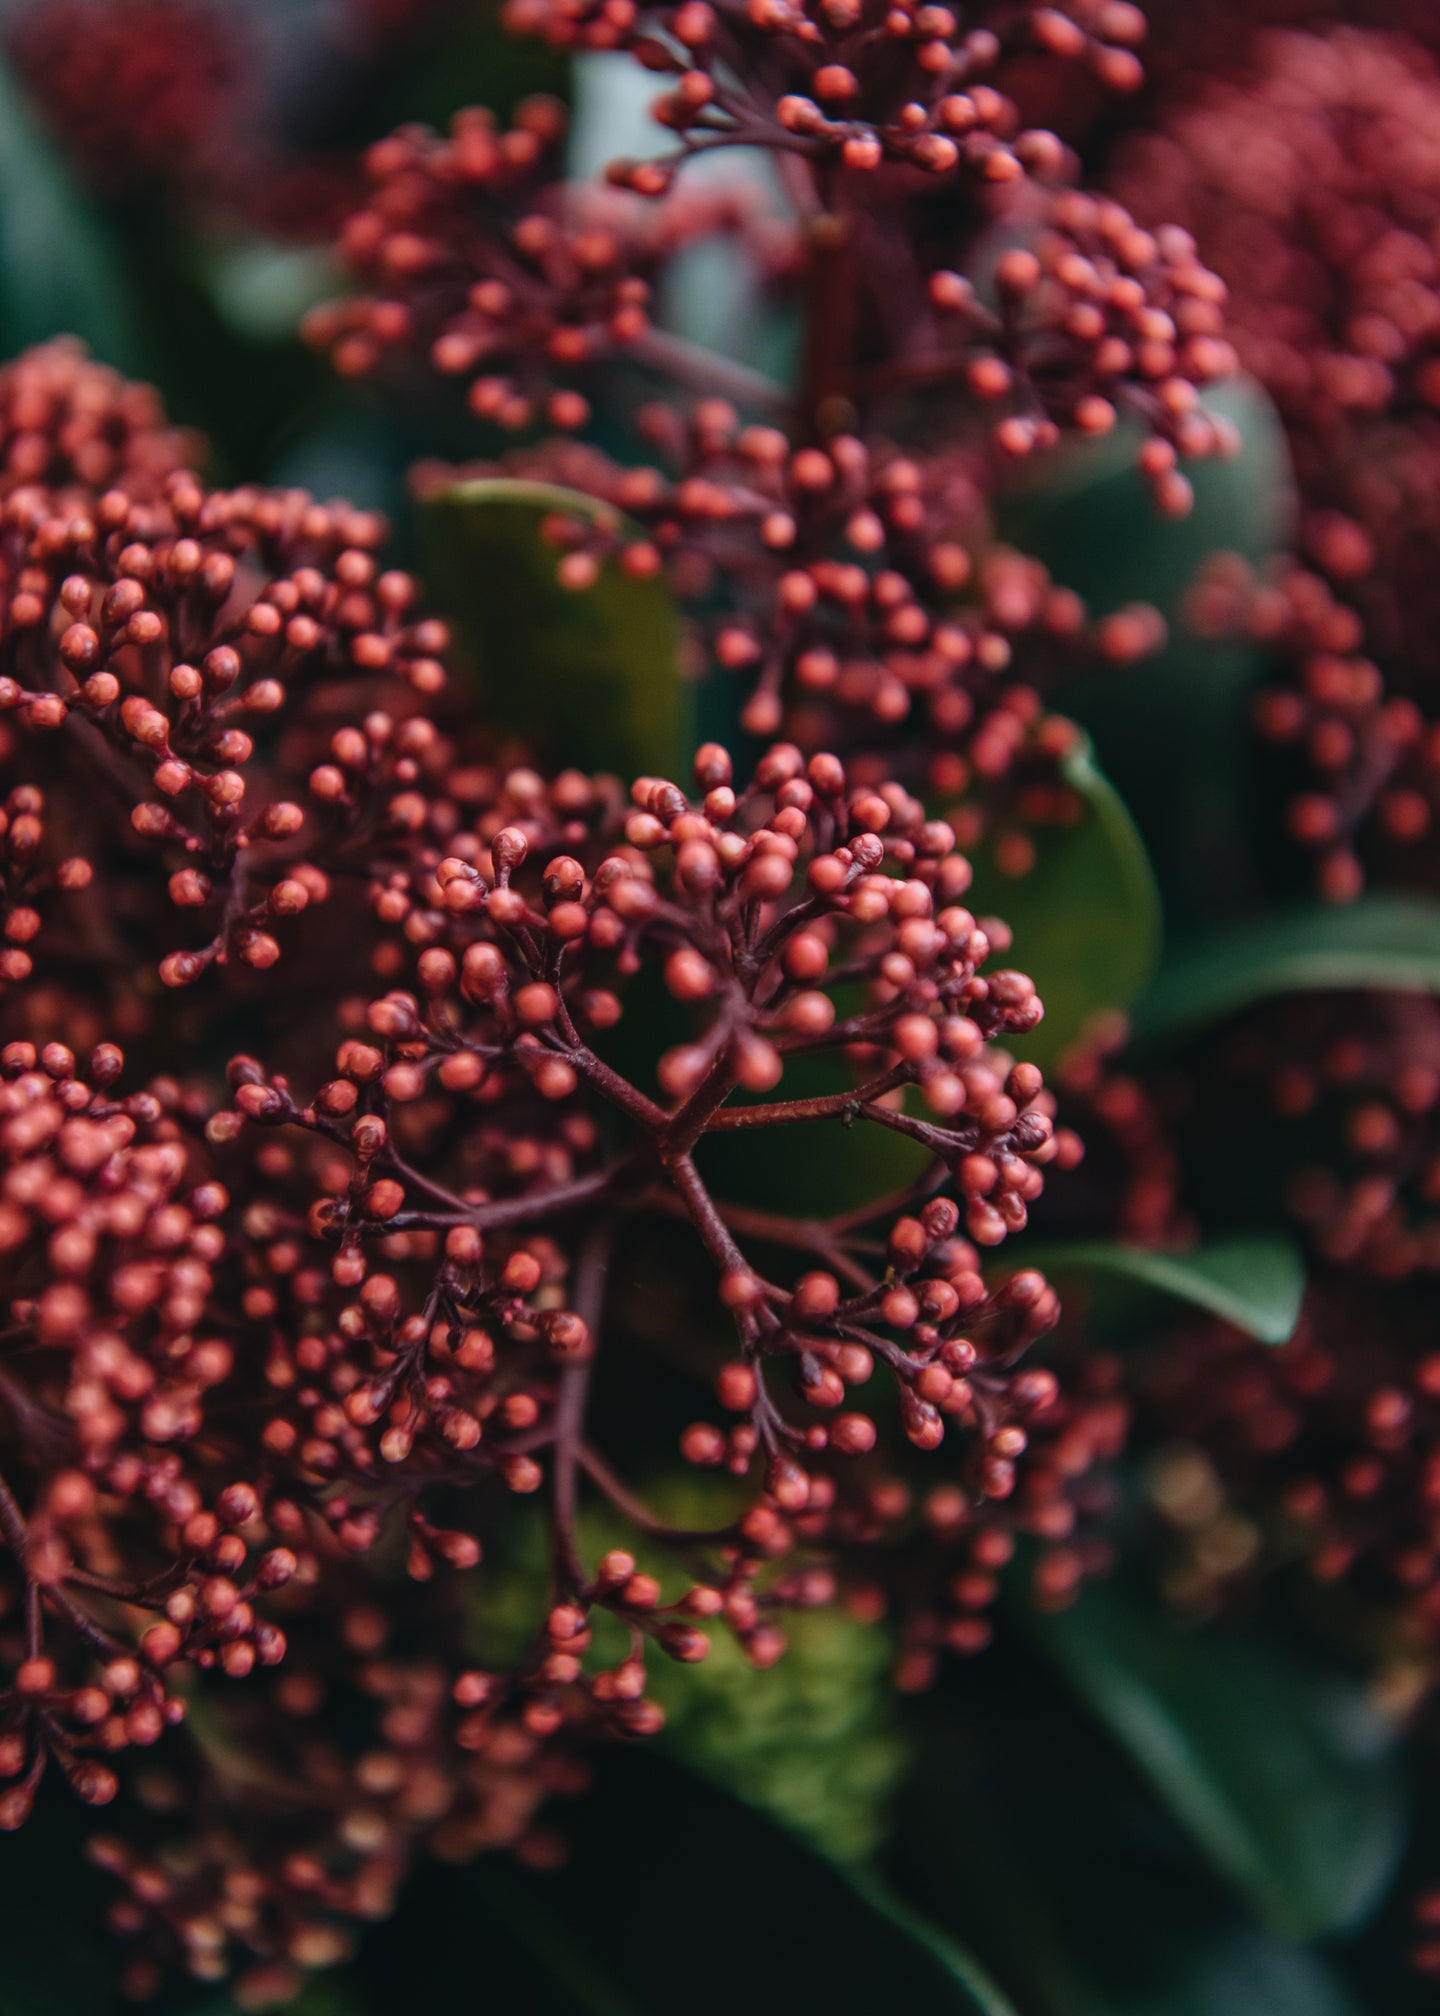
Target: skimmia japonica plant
[[595, 1140]]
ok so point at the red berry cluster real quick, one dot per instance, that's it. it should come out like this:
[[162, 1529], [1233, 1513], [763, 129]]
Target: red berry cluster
[[110, 1250], [866, 595], [1326, 1448], [139, 94], [491, 269], [66, 421], [1361, 777], [1100, 317], [139, 1557], [1312, 186], [1311, 179], [478, 259], [1351, 1083], [847, 84], [215, 668], [273, 1373]]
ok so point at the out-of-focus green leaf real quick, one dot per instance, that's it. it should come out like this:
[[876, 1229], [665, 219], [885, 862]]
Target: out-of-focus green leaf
[[1027, 1834], [735, 1914], [1386, 943], [1284, 1775], [1086, 917], [1245, 1974], [1090, 516], [263, 289], [1255, 1283], [592, 677], [57, 273]]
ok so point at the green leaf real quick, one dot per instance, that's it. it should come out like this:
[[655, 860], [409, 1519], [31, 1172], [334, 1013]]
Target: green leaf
[[812, 1740], [1086, 918], [56, 272], [1255, 1283], [1387, 943], [1090, 516], [1031, 1838], [1245, 1975], [594, 677], [1284, 1775], [694, 1862], [263, 288]]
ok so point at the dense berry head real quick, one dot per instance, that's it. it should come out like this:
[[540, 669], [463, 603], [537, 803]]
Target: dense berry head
[[849, 85], [1324, 1449], [301, 1355], [109, 1247], [1311, 183], [136, 94], [1357, 763], [68, 422], [217, 696], [1350, 1086], [483, 265], [858, 595], [476, 1157]]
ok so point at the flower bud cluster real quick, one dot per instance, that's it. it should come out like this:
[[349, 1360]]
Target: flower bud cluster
[[1362, 762], [1098, 317], [277, 1368], [1312, 186], [127, 1549], [1327, 1447], [864, 595], [162, 1540], [66, 421], [475, 1156], [1352, 1084], [239, 677], [484, 265], [847, 86], [475, 255], [138, 94], [304, 1835], [1312, 183], [1187, 48], [1063, 1494]]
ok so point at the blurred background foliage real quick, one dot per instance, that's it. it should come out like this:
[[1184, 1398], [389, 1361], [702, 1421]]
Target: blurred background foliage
[[1111, 1813]]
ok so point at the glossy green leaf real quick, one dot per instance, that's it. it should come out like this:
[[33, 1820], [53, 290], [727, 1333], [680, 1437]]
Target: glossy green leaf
[[1086, 918], [57, 275], [1255, 1283], [594, 677], [1383, 942], [1282, 1773]]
